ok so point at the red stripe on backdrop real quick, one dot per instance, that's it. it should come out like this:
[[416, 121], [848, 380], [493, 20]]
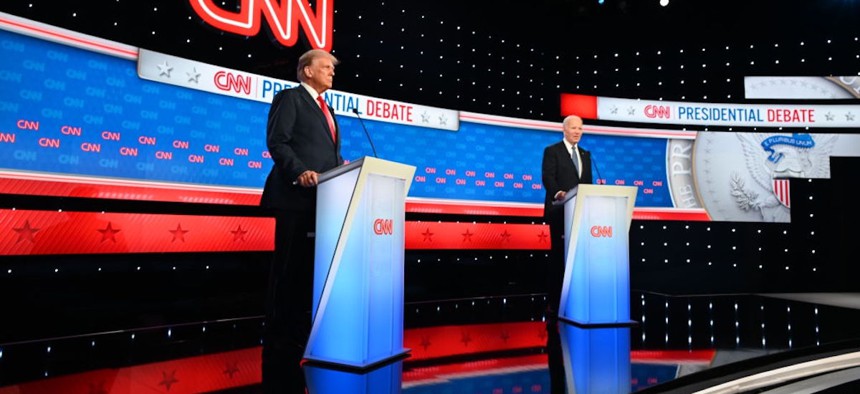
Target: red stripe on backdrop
[[491, 236], [26, 232], [692, 215], [30, 232], [579, 104]]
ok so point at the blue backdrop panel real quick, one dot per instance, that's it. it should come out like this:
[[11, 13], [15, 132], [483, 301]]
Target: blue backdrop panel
[[69, 111]]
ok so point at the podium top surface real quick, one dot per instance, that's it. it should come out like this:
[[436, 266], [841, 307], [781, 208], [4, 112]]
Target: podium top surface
[[334, 172], [598, 190], [374, 165]]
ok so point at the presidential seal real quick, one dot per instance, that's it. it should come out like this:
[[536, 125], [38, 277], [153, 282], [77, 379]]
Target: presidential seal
[[745, 176]]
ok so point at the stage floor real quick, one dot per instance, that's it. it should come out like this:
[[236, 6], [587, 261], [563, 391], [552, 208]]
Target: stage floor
[[487, 345]]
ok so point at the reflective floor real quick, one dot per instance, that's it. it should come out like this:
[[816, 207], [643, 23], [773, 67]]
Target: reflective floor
[[488, 345]]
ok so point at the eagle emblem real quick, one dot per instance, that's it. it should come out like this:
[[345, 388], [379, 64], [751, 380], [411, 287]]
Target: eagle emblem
[[771, 160]]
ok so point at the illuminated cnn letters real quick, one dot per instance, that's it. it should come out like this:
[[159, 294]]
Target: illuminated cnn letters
[[658, 111], [601, 231], [283, 17], [227, 81], [383, 227]]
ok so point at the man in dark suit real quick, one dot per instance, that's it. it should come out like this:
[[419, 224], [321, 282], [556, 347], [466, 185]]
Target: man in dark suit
[[303, 140], [565, 165]]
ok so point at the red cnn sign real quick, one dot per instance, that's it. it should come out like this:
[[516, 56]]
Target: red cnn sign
[[383, 227], [283, 17], [601, 231], [228, 81], [658, 111]]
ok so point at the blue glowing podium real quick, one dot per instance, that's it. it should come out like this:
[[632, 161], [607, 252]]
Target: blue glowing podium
[[358, 267], [596, 286]]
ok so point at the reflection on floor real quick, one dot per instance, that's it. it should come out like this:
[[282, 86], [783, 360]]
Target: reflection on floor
[[493, 345]]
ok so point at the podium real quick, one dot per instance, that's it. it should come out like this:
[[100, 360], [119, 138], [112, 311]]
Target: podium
[[358, 267], [596, 286]]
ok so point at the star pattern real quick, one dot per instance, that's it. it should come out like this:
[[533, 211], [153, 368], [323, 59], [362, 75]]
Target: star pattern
[[428, 236], [231, 368], [193, 75], [179, 233], [466, 338], [168, 380], [239, 234], [109, 233], [26, 232], [542, 236], [467, 236], [164, 69], [425, 342], [506, 236]]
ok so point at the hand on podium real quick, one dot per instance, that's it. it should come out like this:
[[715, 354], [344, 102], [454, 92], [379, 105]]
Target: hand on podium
[[307, 179]]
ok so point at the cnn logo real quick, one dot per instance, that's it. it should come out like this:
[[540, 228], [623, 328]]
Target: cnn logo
[[383, 227], [601, 231], [658, 111], [284, 18]]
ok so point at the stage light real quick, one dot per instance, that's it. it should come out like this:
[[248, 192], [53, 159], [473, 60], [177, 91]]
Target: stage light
[[664, 3]]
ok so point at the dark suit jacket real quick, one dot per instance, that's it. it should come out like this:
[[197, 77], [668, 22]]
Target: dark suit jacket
[[559, 174], [298, 139]]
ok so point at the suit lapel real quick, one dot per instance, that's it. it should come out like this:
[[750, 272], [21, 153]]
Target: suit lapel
[[323, 122]]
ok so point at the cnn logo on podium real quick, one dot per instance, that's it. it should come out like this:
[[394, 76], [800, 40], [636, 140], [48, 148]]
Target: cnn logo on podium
[[601, 231], [383, 226]]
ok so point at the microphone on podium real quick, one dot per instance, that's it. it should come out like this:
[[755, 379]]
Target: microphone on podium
[[357, 115], [597, 181]]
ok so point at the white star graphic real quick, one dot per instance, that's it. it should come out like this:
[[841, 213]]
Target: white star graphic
[[613, 110], [443, 120], [829, 116], [425, 117], [164, 69], [849, 116], [631, 111], [193, 76]]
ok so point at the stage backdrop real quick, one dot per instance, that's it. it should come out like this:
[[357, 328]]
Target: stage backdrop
[[87, 117]]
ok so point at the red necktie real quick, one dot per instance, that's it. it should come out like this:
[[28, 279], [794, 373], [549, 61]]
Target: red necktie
[[328, 117]]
